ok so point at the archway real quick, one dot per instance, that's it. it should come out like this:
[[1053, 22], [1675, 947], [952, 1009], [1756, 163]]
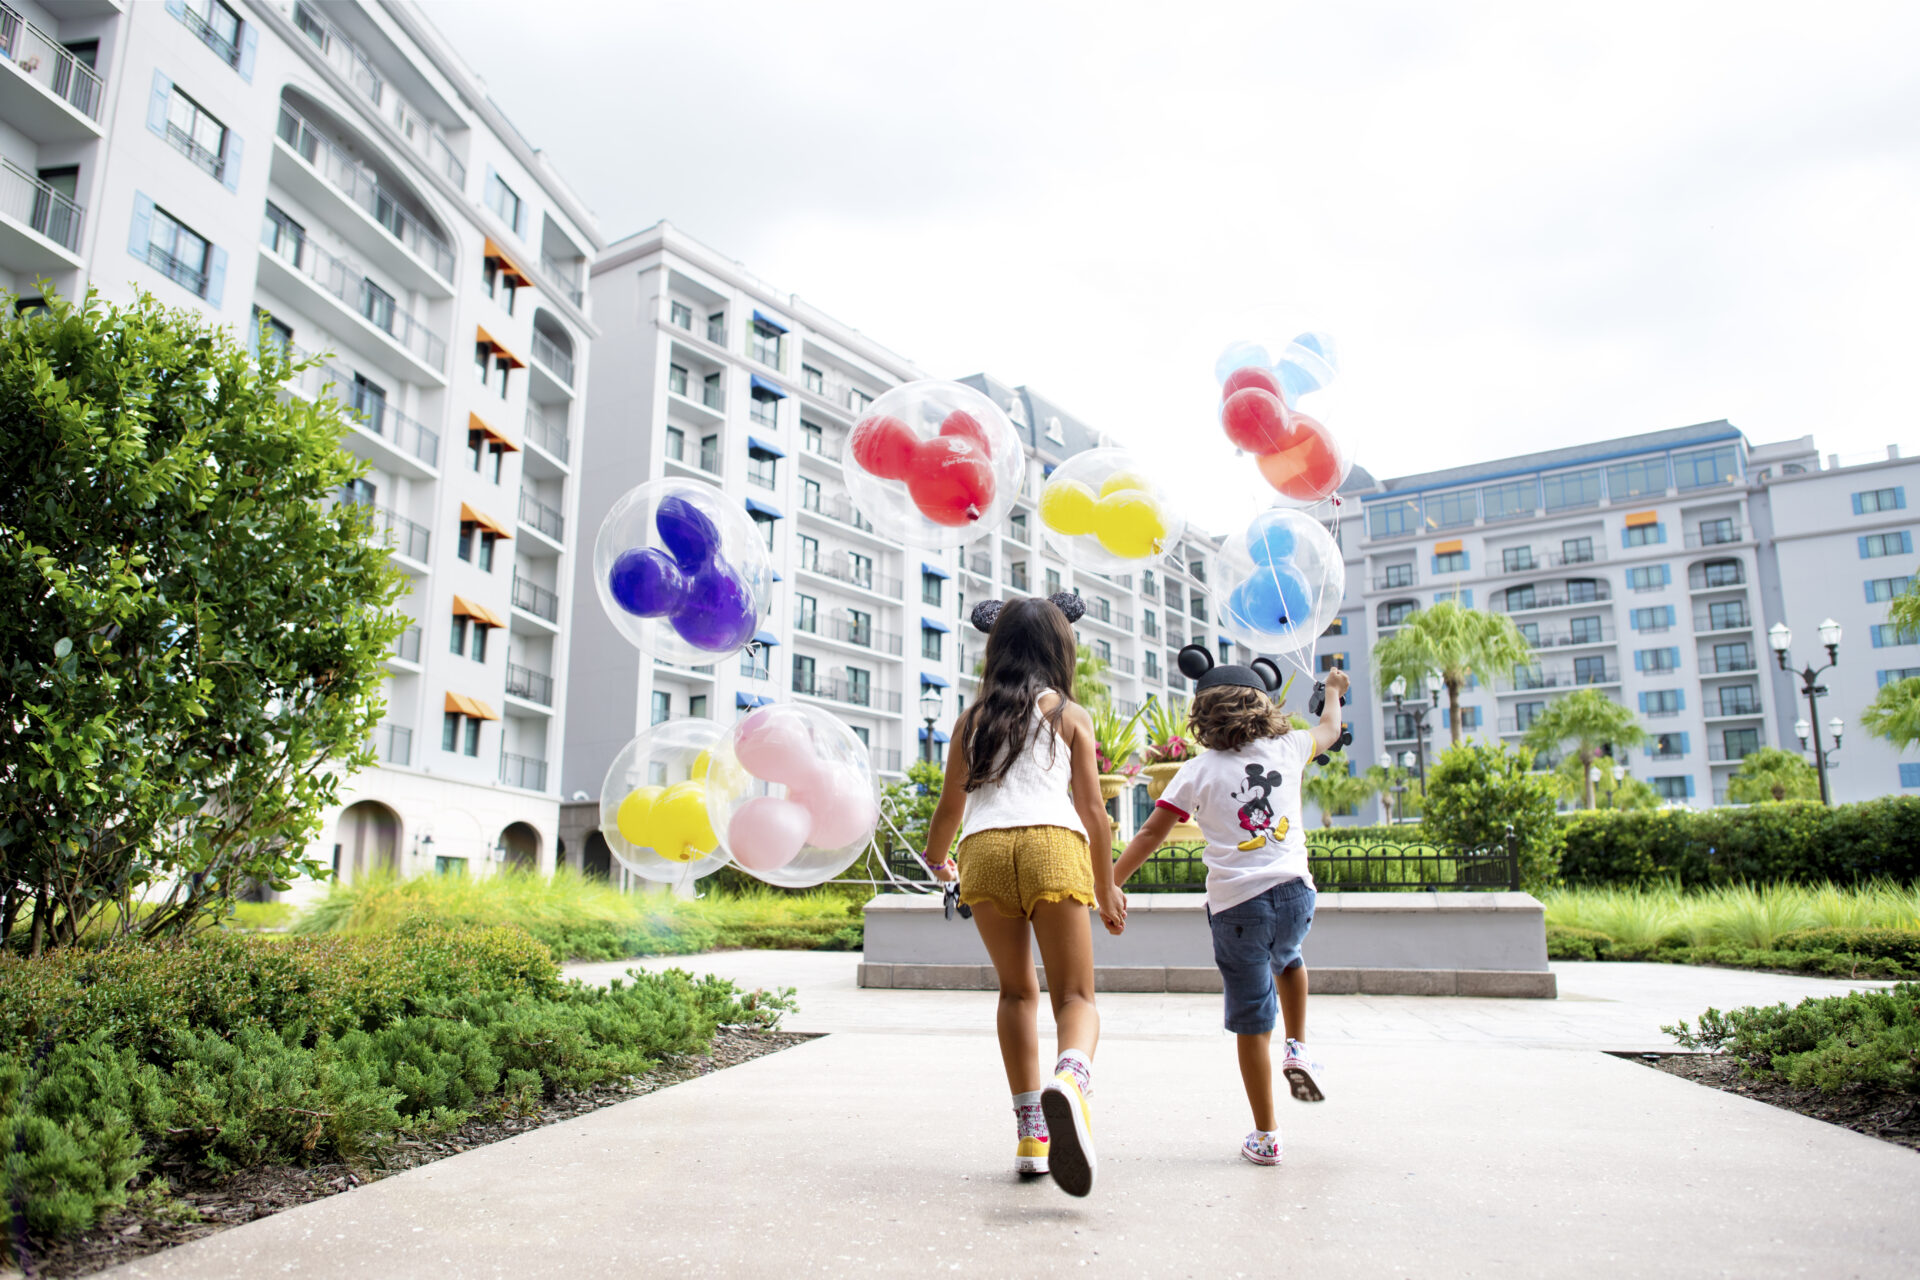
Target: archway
[[367, 841], [522, 845], [597, 862]]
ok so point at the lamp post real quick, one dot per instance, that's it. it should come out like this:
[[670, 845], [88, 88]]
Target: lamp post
[[1419, 712], [1407, 759], [1394, 785], [929, 711], [1781, 638]]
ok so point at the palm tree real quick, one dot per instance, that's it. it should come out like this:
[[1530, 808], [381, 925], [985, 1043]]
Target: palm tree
[[1894, 713], [1090, 688], [1334, 789], [1773, 774], [1452, 643], [1590, 720]]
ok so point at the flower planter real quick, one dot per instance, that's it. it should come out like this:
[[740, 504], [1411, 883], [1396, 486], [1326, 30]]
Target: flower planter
[[1112, 784]]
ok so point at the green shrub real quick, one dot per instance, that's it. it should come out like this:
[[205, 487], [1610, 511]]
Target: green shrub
[[1796, 841], [1899, 945], [1565, 942], [1869, 1038], [68, 1145], [1410, 833], [1477, 792]]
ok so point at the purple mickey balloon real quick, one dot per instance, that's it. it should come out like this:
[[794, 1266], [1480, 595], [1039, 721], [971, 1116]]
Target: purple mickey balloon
[[719, 613], [690, 536], [646, 584]]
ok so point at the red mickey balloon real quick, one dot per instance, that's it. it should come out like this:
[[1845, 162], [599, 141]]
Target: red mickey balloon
[[964, 426], [1249, 376], [1255, 419], [949, 477], [1306, 466], [884, 446]]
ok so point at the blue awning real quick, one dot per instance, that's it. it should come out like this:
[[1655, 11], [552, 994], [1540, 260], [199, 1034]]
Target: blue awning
[[1046, 469], [938, 682], [767, 509], [938, 735], [928, 624], [765, 637], [933, 570], [761, 317], [777, 577], [1223, 639], [761, 384], [743, 700], [756, 444]]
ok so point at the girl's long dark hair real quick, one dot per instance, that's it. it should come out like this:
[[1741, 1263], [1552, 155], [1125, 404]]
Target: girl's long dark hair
[[1030, 649]]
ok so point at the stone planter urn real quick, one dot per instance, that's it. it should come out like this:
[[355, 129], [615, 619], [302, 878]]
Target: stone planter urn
[[1113, 786], [1158, 778]]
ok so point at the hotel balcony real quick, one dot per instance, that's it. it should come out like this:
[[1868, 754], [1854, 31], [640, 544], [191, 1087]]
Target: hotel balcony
[[39, 227], [45, 92], [396, 342]]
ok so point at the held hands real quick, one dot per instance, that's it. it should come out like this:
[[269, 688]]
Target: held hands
[[946, 872], [1113, 908]]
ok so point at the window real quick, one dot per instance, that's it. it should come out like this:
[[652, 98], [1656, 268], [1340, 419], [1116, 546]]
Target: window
[[282, 236], [697, 706], [859, 687], [1733, 657], [479, 650], [1516, 559], [930, 644], [1895, 675], [1910, 775], [1451, 562], [1739, 700], [450, 732], [1518, 598], [1393, 519], [1147, 586], [812, 438], [1643, 535], [1585, 630], [676, 444], [1530, 632], [180, 254], [1397, 575], [1672, 788], [1706, 468], [860, 627], [482, 361], [764, 342], [806, 613], [217, 26], [1879, 589], [1663, 702], [272, 335], [1875, 500], [717, 328], [662, 707], [1017, 527], [502, 200], [1740, 743], [710, 391], [1576, 551], [1103, 651], [499, 285], [765, 524], [1150, 624], [1525, 713], [802, 673], [710, 454], [1055, 432], [197, 135], [1052, 577], [1469, 717], [1637, 479], [676, 379], [1453, 510], [753, 663], [472, 745], [1727, 615], [1338, 627], [1571, 489], [810, 494], [681, 316], [1648, 577], [858, 400], [765, 408], [1593, 670], [1886, 636], [459, 644], [1403, 729], [1722, 573], [1874, 545], [1658, 618], [1667, 746], [1463, 598], [1396, 612], [377, 305], [809, 552], [861, 568], [1507, 501], [815, 380], [930, 588], [1715, 532], [1199, 609], [763, 469], [1583, 591], [1153, 664], [1656, 659]]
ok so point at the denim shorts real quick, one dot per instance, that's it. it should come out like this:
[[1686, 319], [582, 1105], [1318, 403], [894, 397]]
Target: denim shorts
[[1252, 941]]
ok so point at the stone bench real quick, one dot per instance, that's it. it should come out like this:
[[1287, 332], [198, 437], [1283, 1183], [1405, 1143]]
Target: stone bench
[[1425, 944]]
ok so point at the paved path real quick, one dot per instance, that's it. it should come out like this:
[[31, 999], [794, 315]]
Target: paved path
[[1464, 1137]]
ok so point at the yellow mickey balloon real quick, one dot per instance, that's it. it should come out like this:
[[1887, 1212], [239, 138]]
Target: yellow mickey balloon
[[1129, 524], [700, 763], [1121, 480], [1066, 506], [672, 821]]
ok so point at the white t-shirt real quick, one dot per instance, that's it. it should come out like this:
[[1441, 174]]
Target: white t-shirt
[[1247, 805]]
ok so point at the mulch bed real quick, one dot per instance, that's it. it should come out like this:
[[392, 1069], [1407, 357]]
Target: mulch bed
[[204, 1204], [1878, 1113]]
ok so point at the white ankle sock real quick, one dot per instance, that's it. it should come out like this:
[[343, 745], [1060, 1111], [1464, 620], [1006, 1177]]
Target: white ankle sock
[[1075, 1060], [1026, 1110]]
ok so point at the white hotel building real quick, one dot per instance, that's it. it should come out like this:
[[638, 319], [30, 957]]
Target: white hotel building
[[338, 172]]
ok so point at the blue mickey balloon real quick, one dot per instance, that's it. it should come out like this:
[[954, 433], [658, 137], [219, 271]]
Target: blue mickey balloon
[[1308, 364], [1272, 600], [690, 584]]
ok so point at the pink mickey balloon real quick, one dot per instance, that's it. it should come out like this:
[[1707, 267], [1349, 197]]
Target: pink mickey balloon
[[768, 833], [840, 802], [774, 746]]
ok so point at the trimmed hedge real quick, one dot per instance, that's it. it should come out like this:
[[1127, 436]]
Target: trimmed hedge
[[1799, 840], [1869, 1038], [1833, 953]]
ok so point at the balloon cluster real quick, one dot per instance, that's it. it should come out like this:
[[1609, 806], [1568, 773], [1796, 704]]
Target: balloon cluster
[[1113, 515], [1301, 459], [828, 812], [1285, 579], [703, 591], [933, 463], [653, 803]]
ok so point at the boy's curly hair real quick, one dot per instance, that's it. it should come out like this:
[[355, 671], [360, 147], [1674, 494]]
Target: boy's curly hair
[[1228, 716]]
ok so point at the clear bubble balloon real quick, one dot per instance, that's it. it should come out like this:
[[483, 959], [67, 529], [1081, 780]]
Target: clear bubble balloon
[[682, 571], [653, 803], [1308, 364], [1279, 584], [934, 464], [1300, 458], [792, 795], [1240, 355], [1106, 509]]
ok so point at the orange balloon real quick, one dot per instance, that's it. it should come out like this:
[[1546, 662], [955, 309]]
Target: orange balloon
[[1308, 468]]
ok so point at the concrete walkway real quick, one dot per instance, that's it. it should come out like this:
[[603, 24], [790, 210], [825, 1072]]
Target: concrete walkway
[[1463, 1137]]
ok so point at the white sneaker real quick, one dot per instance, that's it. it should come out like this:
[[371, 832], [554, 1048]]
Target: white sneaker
[[1069, 1134], [1302, 1073], [1262, 1148]]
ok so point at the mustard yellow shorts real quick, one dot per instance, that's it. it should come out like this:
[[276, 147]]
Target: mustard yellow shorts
[[1015, 868]]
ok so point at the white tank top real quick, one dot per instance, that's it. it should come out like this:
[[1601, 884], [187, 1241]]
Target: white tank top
[[1037, 791]]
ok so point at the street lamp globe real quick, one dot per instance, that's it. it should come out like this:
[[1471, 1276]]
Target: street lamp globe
[[1399, 687], [1830, 634], [930, 703], [1386, 761], [1406, 760], [1433, 686], [1801, 728], [1780, 636], [1834, 726]]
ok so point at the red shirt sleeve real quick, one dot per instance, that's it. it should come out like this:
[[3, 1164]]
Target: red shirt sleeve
[[1173, 809]]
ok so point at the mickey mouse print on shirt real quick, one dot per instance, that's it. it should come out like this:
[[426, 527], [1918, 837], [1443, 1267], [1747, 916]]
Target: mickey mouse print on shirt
[[1256, 808]]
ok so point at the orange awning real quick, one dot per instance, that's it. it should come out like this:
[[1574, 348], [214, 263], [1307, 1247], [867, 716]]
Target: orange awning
[[469, 516], [474, 423], [465, 608], [500, 353], [1447, 548], [508, 267], [461, 704], [1637, 518]]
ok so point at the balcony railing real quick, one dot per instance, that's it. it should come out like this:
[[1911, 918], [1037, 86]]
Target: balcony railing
[[1512, 724], [550, 355], [407, 537], [1660, 713], [1715, 536], [1392, 581], [546, 434], [25, 198], [1120, 621], [1580, 555], [1742, 621], [1548, 598], [569, 278], [878, 583], [885, 759], [383, 420], [1727, 666], [1729, 751], [393, 744], [533, 686], [838, 508], [1018, 581], [979, 564], [50, 64], [1586, 635], [351, 286], [835, 689], [1123, 664], [536, 514], [358, 70], [1526, 678], [847, 631], [406, 645], [360, 185], [1737, 707], [525, 772], [531, 597], [189, 277], [1699, 579]]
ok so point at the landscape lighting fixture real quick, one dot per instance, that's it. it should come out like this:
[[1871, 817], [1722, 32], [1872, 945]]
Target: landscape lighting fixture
[[1834, 726], [1801, 728]]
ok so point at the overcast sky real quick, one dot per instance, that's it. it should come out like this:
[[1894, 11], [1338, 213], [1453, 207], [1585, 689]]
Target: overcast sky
[[1526, 224]]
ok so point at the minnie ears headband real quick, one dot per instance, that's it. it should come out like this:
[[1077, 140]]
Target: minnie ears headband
[[1197, 665], [1067, 602]]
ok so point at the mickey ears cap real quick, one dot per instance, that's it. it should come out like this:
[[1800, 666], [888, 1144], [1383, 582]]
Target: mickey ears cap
[[1069, 603], [1196, 663], [987, 612]]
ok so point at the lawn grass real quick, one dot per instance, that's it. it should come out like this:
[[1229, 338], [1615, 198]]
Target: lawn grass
[[1748, 916]]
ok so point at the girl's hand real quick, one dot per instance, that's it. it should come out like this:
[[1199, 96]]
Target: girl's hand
[[945, 872], [1113, 908]]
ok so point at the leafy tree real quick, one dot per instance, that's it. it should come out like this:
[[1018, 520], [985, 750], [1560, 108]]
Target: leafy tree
[[196, 645], [1904, 612], [910, 804], [1613, 786], [1476, 791], [1452, 643], [1090, 679], [1591, 721], [1335, 790], [1773, 774], [1894, 713]]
